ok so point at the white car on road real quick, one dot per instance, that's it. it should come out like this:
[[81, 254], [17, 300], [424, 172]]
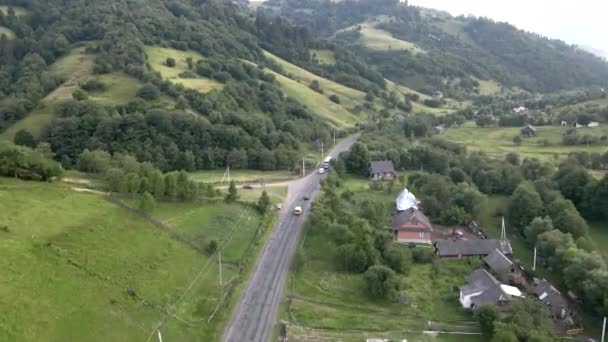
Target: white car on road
[[321, 171]]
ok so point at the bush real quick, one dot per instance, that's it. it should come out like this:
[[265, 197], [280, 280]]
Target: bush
[[94, 85], [170, 62], [148, 92], [334, 98], [381, 281], [316, 86], [212, 247], [423, 255], [80, 95], [24, 138]]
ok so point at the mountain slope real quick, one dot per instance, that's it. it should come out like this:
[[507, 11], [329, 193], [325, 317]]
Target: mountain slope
[[457, 47]]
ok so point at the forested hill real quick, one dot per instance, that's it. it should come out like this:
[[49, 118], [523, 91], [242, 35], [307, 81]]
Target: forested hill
[[201, 84], [444, 48]]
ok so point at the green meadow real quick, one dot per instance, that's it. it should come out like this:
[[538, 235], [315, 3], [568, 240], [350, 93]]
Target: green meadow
[[76, 267]]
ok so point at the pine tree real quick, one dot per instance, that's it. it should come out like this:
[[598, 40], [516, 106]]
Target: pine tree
[[264, 202], [147, 202], [232, 195]]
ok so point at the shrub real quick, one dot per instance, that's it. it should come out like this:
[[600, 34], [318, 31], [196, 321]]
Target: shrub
[[381, 281], [334, 98]]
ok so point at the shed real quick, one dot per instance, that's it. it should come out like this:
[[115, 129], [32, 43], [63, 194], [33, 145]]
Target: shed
[[381, 170], [528, 131]]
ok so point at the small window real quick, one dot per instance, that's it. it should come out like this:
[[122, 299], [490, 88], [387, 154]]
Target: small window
[[421, 234]]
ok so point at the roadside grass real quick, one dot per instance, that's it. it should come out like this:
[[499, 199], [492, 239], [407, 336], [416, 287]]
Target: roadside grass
[[157, 57], [19, 11], [241, 176], [5, 31], [76, 267], [276, 193], [325, 56], [498, 141]]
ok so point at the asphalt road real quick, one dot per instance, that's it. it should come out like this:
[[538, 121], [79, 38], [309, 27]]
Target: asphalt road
[[254, 318]]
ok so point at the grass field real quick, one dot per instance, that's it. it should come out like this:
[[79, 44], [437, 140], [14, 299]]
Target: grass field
[[4, 31], [377, 39], [76, 267], [488, 88], [241, 176], [498, 141], [418, 107], [19, 11], [157, 57], [325, 56], [599, 235]]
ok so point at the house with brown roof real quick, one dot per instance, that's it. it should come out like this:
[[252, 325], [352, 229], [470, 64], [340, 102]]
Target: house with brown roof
[[412, 226], [381, 170]]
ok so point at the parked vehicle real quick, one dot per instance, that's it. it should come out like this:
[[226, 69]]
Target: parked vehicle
[[247, 186], [321, 171], [306, 197], [297, 211], [326, 163]]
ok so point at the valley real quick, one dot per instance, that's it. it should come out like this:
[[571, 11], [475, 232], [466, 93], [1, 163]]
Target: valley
[[293, 170]]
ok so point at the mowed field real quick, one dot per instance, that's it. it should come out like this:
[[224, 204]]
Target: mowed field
[[157, 57], [77, 268], [324, 302], [74, 68], [498, 141]]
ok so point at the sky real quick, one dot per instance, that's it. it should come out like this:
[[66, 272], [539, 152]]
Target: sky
[[580, 22]]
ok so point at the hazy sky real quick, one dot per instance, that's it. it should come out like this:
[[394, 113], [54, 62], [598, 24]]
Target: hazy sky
[[581, 22]]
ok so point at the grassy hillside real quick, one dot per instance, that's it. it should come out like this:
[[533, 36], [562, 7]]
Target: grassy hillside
[[498, 141], [19, 11], [157, 57], [377, 39], [76, 267], [6, 32], [325, 56]]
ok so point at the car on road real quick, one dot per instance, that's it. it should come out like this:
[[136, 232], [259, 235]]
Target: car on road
[[247, 186], [306, 197], [321, 171], [297, 211]]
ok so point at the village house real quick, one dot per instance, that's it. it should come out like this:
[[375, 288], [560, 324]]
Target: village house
[[412, 226], [520, 109], [548, 294], [528, 131], [483, 289], [381, 170], [438, 94]]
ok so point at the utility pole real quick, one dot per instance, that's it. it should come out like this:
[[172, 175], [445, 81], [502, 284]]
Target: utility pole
[[534, 263], [219, 257], [160, 337], [322, 151], [603, 330], [334, 137], [303, 168]]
